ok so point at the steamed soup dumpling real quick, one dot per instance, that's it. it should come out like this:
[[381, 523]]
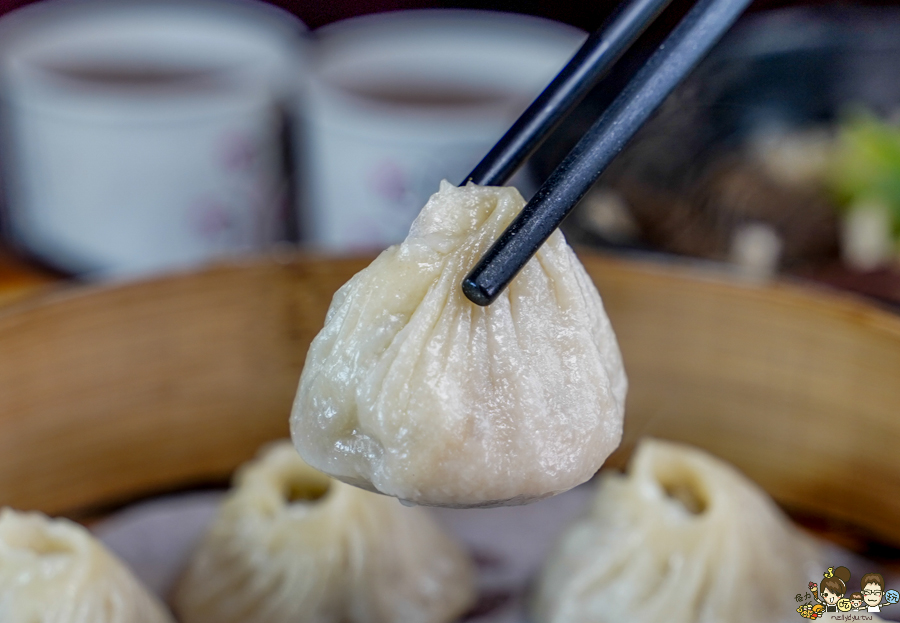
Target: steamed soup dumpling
[[54, 571], [413, 391], [682, 538], [290, 545]]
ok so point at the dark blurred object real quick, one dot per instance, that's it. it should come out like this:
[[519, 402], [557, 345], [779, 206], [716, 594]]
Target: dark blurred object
[[693, 177], [20, 279], [882, 284], [586, 15], [701, 219]]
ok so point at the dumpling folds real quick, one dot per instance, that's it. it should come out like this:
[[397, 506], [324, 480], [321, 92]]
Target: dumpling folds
[[681, 538], [292, 545], [413, 391], [54, 571]]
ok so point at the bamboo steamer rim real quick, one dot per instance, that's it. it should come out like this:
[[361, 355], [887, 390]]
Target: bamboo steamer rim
[[112, 393]]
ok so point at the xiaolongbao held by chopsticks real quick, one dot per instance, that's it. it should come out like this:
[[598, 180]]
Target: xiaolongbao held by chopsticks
[[290, 544], [54, 571], [683, 538], [413, 391]]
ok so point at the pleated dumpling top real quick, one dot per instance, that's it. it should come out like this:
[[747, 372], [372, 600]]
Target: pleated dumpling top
[[290, 545], [683, 538], [54, 571]]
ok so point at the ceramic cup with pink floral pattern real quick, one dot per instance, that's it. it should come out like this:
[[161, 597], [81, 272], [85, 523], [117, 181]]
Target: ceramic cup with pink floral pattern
[[145, 135]]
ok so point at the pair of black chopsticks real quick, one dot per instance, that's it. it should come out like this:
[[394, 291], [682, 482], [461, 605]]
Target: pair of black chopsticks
[[672, 61]]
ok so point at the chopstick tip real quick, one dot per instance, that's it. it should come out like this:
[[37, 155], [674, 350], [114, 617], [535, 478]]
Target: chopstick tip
[[476, 293]]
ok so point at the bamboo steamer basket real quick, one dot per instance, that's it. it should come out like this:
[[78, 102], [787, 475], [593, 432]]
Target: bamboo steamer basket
[[112, 394]]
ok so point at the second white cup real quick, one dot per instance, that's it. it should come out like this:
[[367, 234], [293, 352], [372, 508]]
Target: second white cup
[[399, 101]]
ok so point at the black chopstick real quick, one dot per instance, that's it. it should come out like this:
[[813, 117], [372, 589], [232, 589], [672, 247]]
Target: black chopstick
[[589, 64], [682, 50]]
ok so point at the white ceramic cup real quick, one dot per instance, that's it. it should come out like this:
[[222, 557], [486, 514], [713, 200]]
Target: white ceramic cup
[[399, 101], [142, 136]]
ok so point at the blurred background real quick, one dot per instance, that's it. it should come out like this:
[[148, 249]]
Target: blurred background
[[147, 137]]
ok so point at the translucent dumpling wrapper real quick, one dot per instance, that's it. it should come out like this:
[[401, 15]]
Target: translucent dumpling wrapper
[[291, 545], [54, 571], [681, 538], [413, 391]]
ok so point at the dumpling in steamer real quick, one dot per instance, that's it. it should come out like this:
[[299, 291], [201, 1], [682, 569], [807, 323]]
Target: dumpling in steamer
[[682, 538], [413, 391], [54, 571], [291, 545]]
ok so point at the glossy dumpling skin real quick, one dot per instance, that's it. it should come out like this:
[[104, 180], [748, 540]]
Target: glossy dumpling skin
[[413, 391], [683, 538], [54, 571], [290, 545]]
